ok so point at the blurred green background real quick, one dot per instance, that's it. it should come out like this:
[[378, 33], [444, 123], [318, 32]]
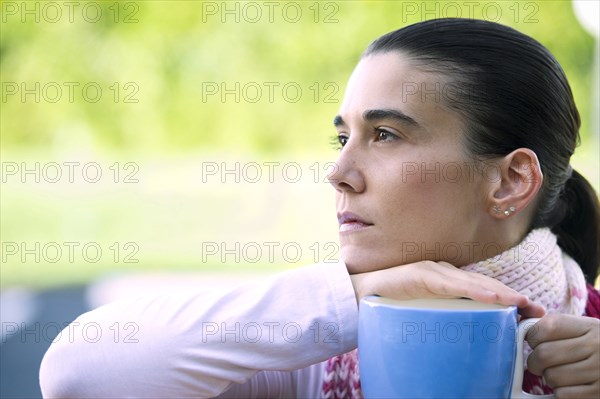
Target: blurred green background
[[138, 91]]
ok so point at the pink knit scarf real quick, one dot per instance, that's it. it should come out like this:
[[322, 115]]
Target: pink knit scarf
[[536, 267]]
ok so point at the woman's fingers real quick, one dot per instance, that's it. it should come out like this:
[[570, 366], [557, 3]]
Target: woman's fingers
[[557, 327], [563, 339], [566, 352], [428, 279], [532, 309], [572, 374], [478, 287], [589, 391]]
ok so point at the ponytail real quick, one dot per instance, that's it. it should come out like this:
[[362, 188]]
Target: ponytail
[[579, 230]]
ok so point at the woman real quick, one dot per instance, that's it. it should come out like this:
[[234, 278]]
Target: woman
[[453, 180]]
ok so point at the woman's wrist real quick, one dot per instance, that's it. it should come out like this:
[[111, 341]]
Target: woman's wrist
[[356, 280], [360, 285]]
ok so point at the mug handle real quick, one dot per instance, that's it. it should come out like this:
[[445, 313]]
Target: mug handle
[[517, 391]]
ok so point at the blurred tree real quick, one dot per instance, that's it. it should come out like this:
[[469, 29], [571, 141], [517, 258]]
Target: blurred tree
[[164, 68]]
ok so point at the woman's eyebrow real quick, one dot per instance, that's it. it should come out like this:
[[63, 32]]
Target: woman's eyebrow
[[338, 121], [371, 115], [394, 114]]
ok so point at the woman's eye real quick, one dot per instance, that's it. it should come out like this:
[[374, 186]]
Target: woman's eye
[[384, 135], [339, 141]]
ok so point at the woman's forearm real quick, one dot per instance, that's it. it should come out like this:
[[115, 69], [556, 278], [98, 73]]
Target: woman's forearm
[[198, 344]]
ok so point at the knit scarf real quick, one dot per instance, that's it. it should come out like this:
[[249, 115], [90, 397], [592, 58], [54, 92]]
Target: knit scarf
[[536, 267]]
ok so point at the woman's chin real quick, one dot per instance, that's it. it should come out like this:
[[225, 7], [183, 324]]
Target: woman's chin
[[363, 261]]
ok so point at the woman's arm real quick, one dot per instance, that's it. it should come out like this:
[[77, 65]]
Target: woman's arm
[[198, 344]]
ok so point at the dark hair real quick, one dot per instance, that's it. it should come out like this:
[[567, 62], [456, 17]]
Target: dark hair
[[512, 93]]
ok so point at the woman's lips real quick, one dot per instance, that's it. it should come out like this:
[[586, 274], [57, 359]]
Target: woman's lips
[[353, 226], [351, 222]]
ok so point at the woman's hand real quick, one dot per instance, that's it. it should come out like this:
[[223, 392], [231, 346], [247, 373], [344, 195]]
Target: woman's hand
[[428, 279], [566, 351]]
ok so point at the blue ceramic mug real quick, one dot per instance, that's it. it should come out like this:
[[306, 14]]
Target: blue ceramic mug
[[440, 348]]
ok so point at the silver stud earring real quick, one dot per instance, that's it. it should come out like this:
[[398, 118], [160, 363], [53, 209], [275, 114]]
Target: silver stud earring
[[507, 212]]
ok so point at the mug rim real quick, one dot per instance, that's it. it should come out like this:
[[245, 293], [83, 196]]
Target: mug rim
[[435, 304]]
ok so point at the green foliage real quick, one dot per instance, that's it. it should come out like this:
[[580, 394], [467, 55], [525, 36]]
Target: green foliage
[[167, 50]]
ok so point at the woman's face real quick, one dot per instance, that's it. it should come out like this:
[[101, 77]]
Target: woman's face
[[404, 171]]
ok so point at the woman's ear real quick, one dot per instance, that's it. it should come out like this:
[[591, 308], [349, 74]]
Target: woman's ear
[[517, 183]]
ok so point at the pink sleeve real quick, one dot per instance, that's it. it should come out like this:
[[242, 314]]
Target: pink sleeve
[[200, 345]]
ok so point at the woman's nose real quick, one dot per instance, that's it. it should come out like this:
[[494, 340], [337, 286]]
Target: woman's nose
[[346, 174]]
